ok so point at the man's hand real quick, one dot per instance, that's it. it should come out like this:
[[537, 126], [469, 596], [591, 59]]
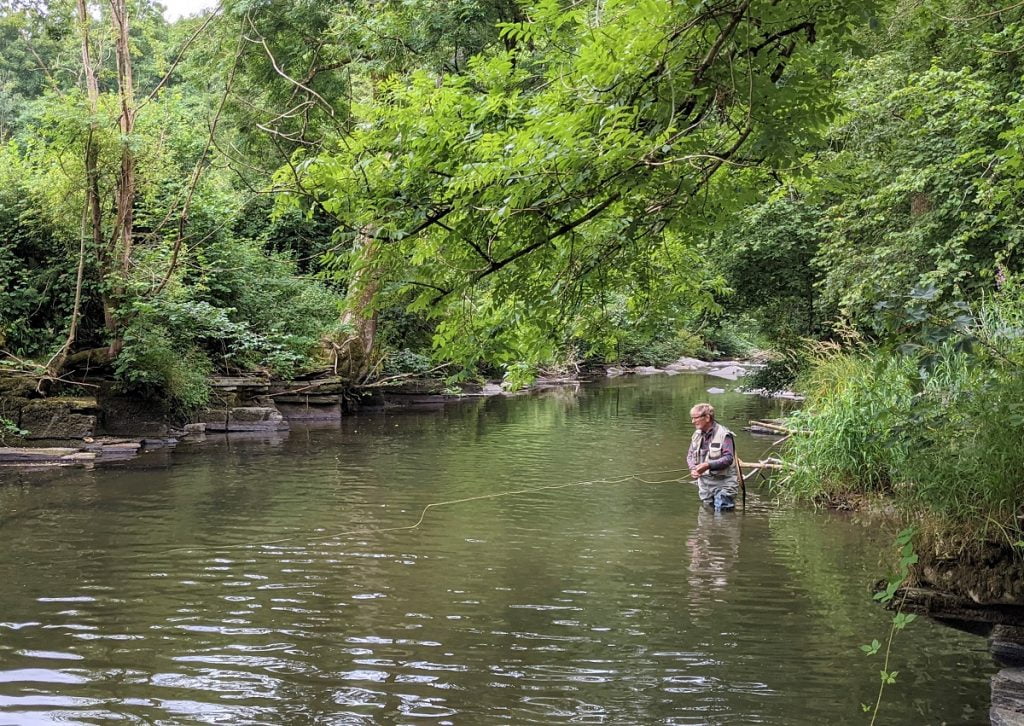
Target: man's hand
[[700, 470]]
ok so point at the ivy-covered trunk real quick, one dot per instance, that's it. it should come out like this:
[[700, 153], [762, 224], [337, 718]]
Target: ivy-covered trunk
[[354, 356]]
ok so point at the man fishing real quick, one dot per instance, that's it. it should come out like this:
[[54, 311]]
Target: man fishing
[[712, 459]]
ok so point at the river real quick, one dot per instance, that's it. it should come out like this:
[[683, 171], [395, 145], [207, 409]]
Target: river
[[246, 580]]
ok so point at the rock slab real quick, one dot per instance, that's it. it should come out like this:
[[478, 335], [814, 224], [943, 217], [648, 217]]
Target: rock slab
[[245, 418], [1007, 698]]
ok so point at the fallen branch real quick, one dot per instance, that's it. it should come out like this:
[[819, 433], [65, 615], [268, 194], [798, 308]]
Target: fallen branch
[[766, 427], [776, 428], [383, 382]]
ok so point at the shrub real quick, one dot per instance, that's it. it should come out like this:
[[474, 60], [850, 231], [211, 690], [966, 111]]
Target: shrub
[[151, 365], [939, 425]]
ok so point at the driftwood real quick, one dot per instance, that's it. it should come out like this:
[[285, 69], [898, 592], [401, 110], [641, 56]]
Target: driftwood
[[770, 427], [760, 467]]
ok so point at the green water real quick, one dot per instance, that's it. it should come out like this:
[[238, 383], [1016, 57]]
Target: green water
[[209, 584]]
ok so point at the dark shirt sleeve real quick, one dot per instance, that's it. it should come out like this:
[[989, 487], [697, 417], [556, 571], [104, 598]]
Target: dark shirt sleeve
[[728, 453], [691, 455]]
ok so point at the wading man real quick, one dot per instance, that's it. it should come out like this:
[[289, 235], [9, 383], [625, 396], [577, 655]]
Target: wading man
[[712, 459]]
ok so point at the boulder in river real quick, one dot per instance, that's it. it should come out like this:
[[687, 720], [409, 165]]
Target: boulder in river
[[729, 372]]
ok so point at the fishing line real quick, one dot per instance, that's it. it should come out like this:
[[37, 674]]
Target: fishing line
[[423, 514]]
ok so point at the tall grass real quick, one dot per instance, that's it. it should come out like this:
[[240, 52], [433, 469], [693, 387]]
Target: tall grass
[[942, 433], [853, 414]]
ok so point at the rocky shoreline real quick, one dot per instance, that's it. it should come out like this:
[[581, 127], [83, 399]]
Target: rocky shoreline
[[107, 426]]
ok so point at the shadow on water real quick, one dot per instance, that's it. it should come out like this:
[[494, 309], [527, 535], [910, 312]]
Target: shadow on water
[[212, 584]]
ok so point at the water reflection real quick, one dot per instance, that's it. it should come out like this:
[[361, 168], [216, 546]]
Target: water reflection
[[714, 547], [605, 603]]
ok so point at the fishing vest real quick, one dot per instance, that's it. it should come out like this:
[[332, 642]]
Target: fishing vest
[[718, 435]]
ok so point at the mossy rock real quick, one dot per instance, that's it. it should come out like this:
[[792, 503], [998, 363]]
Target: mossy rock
[[11, 387], [59, 418]]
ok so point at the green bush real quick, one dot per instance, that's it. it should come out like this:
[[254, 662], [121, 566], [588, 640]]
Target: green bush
[[776, 375], [153, 365], [405, 361], [855, 405], [9, 430], [939, 426], [36, 278], [263, 292]]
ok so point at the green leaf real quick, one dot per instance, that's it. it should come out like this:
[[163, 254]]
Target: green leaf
[[872, 648]]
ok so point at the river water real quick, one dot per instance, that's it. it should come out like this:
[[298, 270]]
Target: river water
[[246, 581]]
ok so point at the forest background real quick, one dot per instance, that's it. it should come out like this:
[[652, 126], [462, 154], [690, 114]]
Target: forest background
[[499, 188]]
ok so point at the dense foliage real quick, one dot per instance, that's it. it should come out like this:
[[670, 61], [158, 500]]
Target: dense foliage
[[937, 421], [500, 186]]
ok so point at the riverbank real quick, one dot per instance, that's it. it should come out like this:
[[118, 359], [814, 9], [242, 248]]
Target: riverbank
[[80, 430]]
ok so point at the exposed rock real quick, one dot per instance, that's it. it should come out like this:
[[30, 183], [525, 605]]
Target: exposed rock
[[87, 454], [16, 387], [249, 385], [122, 415], [647, 370], [688, 364], [728, 372], [213, 419], [1008, 698], [35, 455], [119, 450], [420, 387], [79, 457], [315, 407], [1006, 644], [715, 389], [247, 418], [59, 418]]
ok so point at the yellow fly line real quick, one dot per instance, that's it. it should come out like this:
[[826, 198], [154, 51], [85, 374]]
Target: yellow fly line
[[423, 514]]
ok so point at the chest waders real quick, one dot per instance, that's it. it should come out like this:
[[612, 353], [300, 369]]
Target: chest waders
[[719, 487]]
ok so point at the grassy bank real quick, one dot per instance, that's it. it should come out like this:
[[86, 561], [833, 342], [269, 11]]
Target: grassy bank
[[936, 424]]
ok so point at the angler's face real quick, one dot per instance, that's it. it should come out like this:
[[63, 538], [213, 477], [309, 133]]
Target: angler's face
[[701, 423]]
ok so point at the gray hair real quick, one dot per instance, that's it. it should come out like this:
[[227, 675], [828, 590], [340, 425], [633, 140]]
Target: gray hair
[[703, 409]]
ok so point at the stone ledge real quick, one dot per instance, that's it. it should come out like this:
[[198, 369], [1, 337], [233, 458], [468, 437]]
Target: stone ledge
[[244, 418], [1008, 698]]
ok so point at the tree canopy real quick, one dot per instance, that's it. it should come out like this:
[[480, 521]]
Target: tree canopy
[[495, 184]]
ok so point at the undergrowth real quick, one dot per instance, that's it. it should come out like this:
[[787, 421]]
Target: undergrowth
[[937, 424]]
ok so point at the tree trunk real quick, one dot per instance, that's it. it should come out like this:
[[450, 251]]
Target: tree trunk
[[124, 199], [92, 211], [354, 356]]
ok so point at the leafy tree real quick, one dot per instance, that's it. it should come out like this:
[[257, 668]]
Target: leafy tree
[[766, 258], [515, 196]]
